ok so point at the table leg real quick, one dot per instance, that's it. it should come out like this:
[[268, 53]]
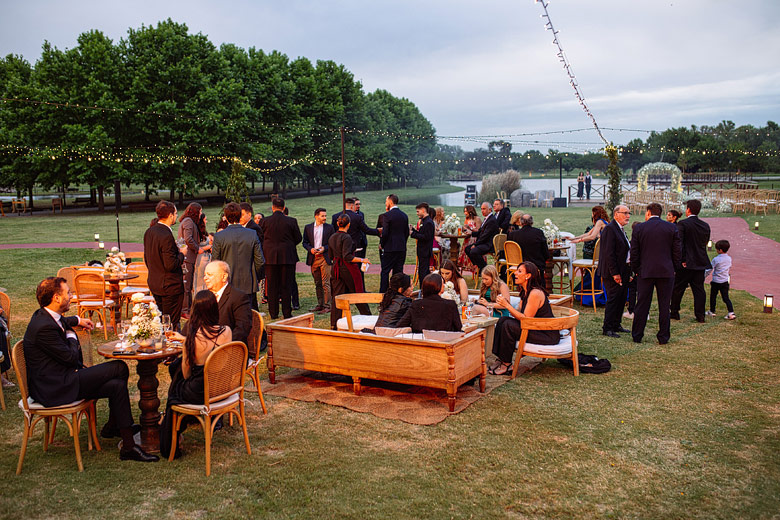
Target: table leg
[[149, 404], [454, 250], [548, 275], [115, 295]]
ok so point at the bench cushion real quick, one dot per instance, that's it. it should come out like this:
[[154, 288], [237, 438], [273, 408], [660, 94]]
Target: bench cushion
[[562, 348], [359, 322]]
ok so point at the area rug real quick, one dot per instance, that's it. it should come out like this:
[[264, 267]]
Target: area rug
[[410, 404]]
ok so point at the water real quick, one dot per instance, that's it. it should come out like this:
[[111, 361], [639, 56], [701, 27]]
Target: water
[[532, 185]]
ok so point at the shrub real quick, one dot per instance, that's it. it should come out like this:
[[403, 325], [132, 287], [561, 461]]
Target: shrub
[[507, 181]]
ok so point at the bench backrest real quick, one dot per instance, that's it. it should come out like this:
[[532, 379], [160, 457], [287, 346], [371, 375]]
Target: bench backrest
[[343, 302]]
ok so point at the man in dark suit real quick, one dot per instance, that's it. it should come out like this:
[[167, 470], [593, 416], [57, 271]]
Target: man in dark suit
[[315, 242], [484, 238], [281, 234], [615, 270], [56, 374], [164, 262], [362, 247], [532, 242], [249, 222], [235, 308], [694, 235], [655, 250], [240, 248], [358, 229], [503, 215], [395, 232], [424, 233]]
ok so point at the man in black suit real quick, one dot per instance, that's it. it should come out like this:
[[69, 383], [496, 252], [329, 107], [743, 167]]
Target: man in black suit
[[532, 242], [615, 270], [424, 233], [362, 247], [56, 374], [503, 215], [281, 234], [235, 308], [240, 248], [694, 235], [315, 242], [655, 250], [249, 222], [484, 238], [358, 229], [164, 262], [395, 232]]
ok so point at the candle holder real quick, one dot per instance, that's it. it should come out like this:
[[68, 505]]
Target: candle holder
[[101, 245], [709, 245], [755, 226], [769, 303]]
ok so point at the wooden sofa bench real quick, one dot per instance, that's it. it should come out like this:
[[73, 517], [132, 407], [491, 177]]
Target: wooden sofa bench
[[436, 364]]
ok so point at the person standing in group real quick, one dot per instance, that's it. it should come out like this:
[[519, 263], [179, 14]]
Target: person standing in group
[[655, 250], [483, 237], [395, 232], [721, 265], [503, 215], [296, 304], [358, 229], [532, 242], [240, 249], [203, 258], [471, 223], [345, 274], [281, 236], [361, 249], [164, 263], [315, 242], [248, 222], [580, 185], [424, 236], [615, 270], [189, 233], [588, 182], [694, 235]]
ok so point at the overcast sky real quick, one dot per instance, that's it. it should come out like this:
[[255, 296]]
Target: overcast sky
[[486, 67]]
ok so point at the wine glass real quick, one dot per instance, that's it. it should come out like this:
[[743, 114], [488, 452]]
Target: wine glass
[[165, 319], [122, 333]]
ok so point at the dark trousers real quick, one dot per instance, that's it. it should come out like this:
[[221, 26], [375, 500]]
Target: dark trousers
[[632, 295], [723, 289], [508, 332], [391, 260], [170, 304], [109, 380], [189, 275], [644, 296], [682, 279], [476, 254], [423, 267], [616, 301], [279, 280]]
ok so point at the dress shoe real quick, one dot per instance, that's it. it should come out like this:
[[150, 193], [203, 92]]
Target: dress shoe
[[701, 320], [296, 307], [611, 334], [325, 310], [137, 454], [622, 329], [318, 308], [675, 316], [662, 342], [110, 433], [637, 340]]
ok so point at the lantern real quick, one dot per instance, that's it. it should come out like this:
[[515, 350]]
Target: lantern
[[769, 303]]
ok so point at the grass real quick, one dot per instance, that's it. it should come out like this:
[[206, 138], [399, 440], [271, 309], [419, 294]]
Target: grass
[[688, 430]]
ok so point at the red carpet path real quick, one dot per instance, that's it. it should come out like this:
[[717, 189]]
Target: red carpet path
[[755, 258]]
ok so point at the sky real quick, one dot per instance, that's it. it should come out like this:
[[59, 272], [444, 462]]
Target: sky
[[487, 67]]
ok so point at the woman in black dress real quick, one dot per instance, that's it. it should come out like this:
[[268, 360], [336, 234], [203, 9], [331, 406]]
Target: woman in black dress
[[345, 275], [534, 304], [203, 334], [396, 301]]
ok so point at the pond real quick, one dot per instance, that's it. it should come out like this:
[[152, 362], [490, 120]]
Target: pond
[[456, 198]]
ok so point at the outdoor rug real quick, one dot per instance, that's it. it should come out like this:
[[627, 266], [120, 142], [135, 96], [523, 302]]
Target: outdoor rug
[[411, 404]]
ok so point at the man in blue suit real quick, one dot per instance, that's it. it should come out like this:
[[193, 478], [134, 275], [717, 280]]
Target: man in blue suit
[[655, 251], [615, 270], [395, 232]]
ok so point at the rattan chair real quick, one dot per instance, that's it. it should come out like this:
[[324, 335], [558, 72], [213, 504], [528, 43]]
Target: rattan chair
[[498, 245], [255, 357], [582, 266], [223, 390], [94, 284], [34, 412], [138, 285], [5, 306], [564, 318], [514, 257]]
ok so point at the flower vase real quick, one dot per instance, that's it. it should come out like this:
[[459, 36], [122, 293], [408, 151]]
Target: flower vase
[[146, 345]]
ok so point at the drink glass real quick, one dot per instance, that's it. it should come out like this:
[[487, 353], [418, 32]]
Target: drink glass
[[165, 319], [122, 333]]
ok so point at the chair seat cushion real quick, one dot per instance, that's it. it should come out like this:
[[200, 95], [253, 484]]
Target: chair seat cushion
[[359, 322], [96, 303], [563, 347], [32, 405], [582, 263], [133, 290], [215, 407]]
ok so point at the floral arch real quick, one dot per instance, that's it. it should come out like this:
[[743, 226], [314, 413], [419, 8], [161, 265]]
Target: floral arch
[[659, 168]]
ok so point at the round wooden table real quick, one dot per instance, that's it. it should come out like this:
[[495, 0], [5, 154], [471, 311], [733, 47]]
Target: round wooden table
[[549, 264], [113, 285], [147, 386], [454, 245]]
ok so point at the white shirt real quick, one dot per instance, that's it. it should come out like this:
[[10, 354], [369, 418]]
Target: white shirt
[[218, 294], [57, 317], [318, 235], [628, 256]]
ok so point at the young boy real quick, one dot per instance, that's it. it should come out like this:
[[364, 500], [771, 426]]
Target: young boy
[[721, 265]]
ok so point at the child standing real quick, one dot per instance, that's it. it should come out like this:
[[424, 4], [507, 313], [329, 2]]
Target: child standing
[[721, 265]]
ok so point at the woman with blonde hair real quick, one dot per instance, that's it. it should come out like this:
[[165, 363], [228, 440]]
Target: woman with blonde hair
[[492, 287]]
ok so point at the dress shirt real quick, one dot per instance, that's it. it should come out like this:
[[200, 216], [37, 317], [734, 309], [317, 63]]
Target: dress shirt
[[218, 294], [318, 235], [58, 319], [628, 255]]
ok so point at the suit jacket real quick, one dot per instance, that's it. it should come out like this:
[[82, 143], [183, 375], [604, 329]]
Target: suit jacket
[[188, 230], [257, 229], [235, 311], [395, 230], [240, 248], [358, 229], [613, 251], [655, 249], [308, 242], [694, 235], [533, 243], [424, 236], [363, 238], [503, 218], [280, 236], [432, 313], [52, 359], [484, 235], [163, 260]]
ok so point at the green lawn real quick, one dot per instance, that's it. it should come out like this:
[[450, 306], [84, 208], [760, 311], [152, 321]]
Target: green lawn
[[687, 430]]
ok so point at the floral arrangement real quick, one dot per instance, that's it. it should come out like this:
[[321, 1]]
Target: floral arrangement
[[146, 322], [724, 206], [115, 262], [551, 231], [451, 224], [450, 293], [659, 168]]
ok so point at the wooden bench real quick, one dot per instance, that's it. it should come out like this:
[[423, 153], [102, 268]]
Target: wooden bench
[[437, 364]]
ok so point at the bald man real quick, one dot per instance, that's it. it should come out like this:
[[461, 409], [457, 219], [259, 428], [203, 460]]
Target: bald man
[[235, 308]]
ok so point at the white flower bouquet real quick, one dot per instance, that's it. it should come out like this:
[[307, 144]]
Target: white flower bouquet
[[115, 262], [450, 293], [551, 232], [451, 224], [146, 322]]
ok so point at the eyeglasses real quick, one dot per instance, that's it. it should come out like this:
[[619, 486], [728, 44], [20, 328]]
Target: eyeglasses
[[624, 212]]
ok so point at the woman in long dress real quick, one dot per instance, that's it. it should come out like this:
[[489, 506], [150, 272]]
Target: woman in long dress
[[472, 223], [580, 185], [345, 276], [203, 258]]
